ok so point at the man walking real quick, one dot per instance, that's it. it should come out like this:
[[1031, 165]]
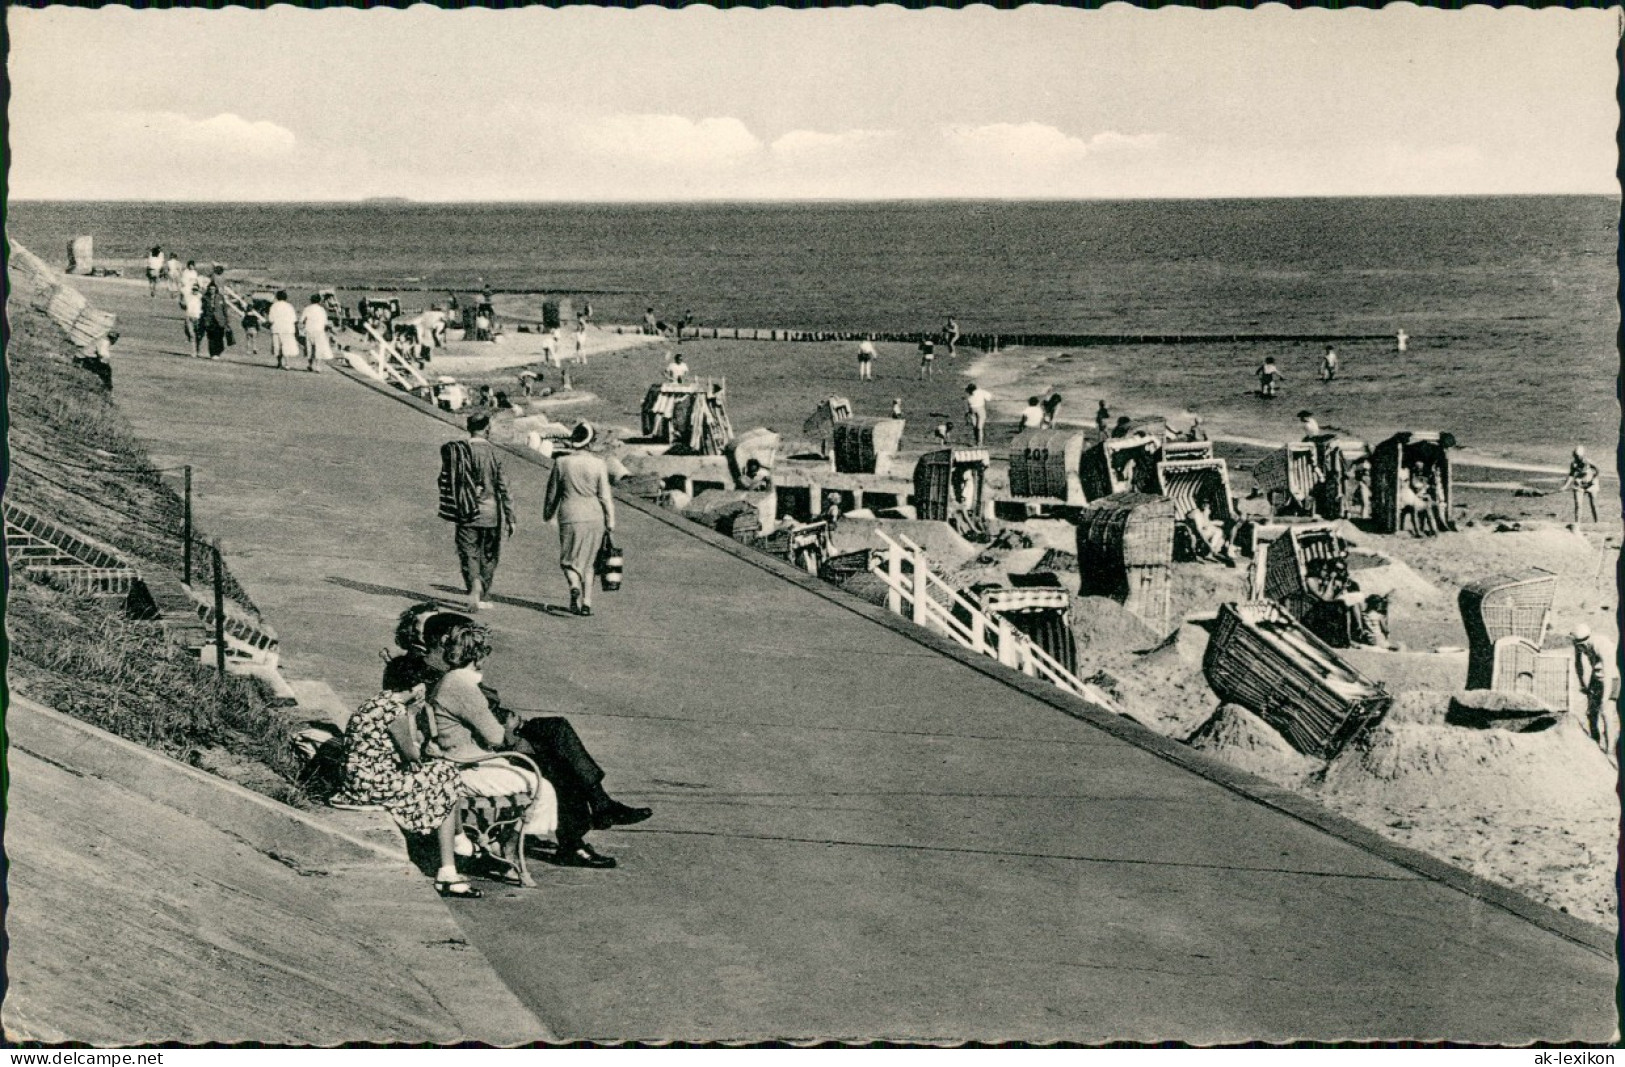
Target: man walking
[[313, 323], [474, 495], [283, 321]]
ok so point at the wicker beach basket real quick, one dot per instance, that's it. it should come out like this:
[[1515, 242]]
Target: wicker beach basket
[[842, 568], [91, 326], [1103, 469], [934, 477], [1125, 544], [81, 255], [1045, 463], [1501, 606], [1261, 658], [1288, 478], [1390, 464], [1191, 482], [759, 444], [65, 306], [1524, 668], [861, 442]]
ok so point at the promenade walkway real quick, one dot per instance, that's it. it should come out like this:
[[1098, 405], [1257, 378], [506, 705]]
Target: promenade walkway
[[855, 836]]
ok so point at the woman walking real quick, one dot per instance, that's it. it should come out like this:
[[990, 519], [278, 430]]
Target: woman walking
[[216, 320], [578, 494]]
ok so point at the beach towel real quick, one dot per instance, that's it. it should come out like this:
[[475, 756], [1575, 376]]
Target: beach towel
[[459, 483]]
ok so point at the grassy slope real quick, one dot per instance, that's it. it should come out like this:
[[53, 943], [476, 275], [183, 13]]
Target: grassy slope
[[71, 652]]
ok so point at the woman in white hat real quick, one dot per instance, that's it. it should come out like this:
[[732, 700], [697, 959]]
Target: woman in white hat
[[578, 494]]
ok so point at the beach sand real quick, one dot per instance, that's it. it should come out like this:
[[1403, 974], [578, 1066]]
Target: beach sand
[[1562, 856]]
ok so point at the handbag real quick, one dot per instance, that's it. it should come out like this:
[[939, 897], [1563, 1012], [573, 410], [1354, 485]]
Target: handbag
[[406, 732], [609, 564]]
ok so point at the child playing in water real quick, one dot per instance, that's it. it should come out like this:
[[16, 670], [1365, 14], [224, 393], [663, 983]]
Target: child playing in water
[[1269, 377]]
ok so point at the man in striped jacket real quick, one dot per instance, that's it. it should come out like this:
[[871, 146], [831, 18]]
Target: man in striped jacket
[[474, 495]]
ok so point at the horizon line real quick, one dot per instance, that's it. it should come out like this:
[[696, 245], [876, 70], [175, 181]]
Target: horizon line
[[398, 201]]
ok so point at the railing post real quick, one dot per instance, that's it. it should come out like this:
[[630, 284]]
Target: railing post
[[219, 608], [922, 592], [1007, 644], [894, 579], [186, 531]]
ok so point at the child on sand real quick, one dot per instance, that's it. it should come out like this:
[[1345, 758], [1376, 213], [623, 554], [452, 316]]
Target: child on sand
[[155, 269], [1269, 377], [1103, 420], [866, 361], [1032, 416], [942, 432], [897, 407]]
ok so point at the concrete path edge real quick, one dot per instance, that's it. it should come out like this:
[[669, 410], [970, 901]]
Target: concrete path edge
[[1598, 939], [428, 944]]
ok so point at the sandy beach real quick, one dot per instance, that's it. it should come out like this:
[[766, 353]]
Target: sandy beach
[[1414, 779]]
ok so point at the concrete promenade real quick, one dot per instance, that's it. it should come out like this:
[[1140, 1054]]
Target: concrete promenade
[[855, 836]]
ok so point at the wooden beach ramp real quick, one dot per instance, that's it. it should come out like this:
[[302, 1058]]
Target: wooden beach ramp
[[856, 834]]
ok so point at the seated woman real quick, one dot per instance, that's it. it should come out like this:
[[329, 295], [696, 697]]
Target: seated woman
[[424, 797], [1210, 536], [433, 640]]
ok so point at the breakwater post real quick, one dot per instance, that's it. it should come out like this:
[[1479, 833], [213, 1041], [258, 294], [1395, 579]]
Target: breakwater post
[[186, 530], [219, 608]]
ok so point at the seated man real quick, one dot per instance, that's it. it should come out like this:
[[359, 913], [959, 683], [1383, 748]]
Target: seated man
[[471, 726]]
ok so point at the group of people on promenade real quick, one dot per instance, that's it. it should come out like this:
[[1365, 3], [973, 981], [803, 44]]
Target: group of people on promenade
[[436, 737], [474, 497]]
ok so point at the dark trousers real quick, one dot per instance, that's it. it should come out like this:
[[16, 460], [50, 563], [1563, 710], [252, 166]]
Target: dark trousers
[[478, 550], [575, 776]]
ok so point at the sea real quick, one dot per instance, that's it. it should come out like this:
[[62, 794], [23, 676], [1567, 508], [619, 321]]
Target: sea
[[1510, 304]]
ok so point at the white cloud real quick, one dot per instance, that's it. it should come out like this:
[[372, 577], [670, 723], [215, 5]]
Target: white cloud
[[223, 133], [799, 145], [669, 140], [1036, 144]]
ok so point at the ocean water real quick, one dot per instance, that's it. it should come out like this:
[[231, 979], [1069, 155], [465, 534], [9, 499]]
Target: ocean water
[[1510, 302]]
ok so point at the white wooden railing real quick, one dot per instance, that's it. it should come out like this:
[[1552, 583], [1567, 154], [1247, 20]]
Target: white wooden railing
[[915, 591]]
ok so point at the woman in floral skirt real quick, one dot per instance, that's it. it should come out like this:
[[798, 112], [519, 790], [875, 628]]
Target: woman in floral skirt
[[424, 798]]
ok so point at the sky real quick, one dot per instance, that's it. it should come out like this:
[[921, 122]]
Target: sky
[[875, 103]]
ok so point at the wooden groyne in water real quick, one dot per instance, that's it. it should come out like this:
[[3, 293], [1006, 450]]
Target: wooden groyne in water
[[993, 342]]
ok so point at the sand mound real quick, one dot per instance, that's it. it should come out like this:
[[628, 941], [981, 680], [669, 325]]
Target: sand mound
[[1418, 707], [1162, 683], [943, 546], [1382, 574], [1408, 766], [1243, 740], [1444, 671], [1102, 623], [1202, 587]]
